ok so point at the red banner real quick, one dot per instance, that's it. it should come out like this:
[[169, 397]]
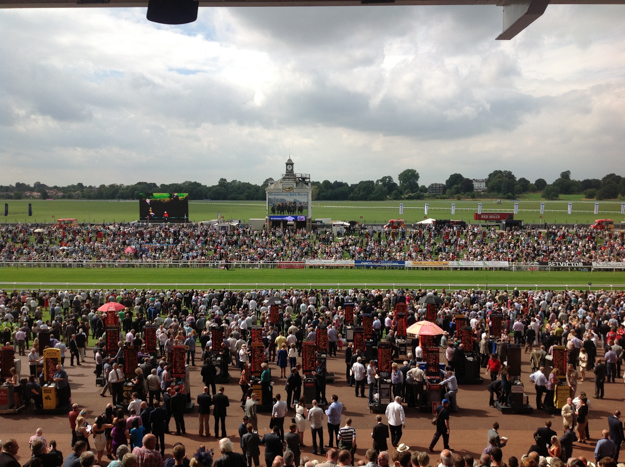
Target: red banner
[[494, 216], [257, 334], [401, 325], [430, 314], [292, 265], [131, 359]]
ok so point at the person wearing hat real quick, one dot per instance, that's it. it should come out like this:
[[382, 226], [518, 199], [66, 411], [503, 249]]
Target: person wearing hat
[[442, 426]]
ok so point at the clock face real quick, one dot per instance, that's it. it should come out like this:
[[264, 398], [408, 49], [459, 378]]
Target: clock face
[[289, 167]]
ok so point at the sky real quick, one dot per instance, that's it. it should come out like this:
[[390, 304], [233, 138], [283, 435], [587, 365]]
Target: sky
[[349, 93]]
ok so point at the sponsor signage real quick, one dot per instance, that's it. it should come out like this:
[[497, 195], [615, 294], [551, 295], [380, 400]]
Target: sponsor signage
[[427, 264], [479, 264], [609, 265], [291, 265], [566, 264], [377, 264], [493, 216], [330, 262]]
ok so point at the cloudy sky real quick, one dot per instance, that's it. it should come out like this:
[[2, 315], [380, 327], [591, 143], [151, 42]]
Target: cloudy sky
[[355, 93]]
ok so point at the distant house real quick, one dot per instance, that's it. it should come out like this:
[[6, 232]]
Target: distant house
[[32, 194], [437, 189], [479, 184]]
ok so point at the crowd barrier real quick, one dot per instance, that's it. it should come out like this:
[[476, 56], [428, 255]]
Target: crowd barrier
[[322, 263]]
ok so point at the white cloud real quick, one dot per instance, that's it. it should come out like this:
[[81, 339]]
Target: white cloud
[[103, 96]]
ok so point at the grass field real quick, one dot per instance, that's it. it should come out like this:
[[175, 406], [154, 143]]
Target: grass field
[[362, 211], [334, 278]]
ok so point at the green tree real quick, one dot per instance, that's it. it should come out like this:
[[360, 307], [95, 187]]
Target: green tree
[[541, 184], [566, 175], [608, 191], [18, 195], [379, 193], [453, 180], [409, 180], [466, 186], [550, 192], [388, 183]]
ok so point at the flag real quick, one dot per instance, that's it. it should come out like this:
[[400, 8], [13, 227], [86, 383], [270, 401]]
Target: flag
[[542, 208], [570, 211], [596, 208], [453, 208], [516, 208], [401, 208], [426, 208], [479, 208]]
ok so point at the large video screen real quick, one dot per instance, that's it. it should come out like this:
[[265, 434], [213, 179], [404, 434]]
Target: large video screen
[[287, 204], [164, 207]]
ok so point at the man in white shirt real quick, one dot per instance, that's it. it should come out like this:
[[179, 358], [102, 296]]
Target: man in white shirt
[[315, 417], [452, 388], [396, 420], [278, 413], [116, 378], [416, 376], [371, 372], [540, 383], [358, 371]]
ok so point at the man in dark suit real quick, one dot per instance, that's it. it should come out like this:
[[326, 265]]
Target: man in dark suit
[[73, 351], [251, 443], [273, 445], [9, 451], [229, 458], [158, 420], [220, 402], [146, 411], [566, 441], [600, 373], [204, 402], [243, 430], [380, 434], [616, 431], [293, 441], [178, 404], [543, 435], [209, 372]]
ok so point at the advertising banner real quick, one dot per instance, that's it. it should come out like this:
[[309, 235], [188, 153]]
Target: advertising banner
[[479, 264], [379, 264], [516, 208], [570, 209], [425, 210], [401, 208], [542, 208], [493, 216], [479, 208], [453, 208], [596, 208], [291, 265], [566, 264], [330, 262], [426, 264], [609, 265]]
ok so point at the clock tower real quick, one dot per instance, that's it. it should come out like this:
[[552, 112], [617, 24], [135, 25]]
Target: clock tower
[[289, 167]]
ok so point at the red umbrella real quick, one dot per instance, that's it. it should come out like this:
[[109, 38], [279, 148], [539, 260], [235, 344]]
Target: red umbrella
[[424, 328], [111, 307]]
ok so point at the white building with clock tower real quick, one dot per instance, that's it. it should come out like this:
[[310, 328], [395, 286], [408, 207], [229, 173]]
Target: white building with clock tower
[[289, 199]]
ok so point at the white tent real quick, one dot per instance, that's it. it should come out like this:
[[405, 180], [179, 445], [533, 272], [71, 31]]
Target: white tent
[[427, 221]]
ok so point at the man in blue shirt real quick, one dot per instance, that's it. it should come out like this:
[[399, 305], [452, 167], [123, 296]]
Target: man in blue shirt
[[605, 447], [62, 386], [334, 412]]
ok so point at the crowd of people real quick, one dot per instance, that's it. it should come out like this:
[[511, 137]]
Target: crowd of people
[[589, 324], [208, 243]]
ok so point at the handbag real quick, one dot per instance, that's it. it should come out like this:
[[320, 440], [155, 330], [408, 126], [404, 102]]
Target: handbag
[[435, 419]]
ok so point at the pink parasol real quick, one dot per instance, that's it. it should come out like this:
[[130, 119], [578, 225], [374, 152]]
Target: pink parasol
[[111, 307], [130, 250], [424, 328]]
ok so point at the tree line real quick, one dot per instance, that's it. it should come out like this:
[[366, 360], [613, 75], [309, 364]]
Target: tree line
[[499, 184]]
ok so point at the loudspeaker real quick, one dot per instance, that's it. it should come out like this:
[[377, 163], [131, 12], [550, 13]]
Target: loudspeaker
[[172, 11], [514, 360]]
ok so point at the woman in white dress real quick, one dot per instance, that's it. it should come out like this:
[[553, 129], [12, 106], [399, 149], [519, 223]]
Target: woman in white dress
[[99, 437], [301, 414]]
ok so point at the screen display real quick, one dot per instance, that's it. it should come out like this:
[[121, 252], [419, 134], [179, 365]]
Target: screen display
[[287, 204], [163, 207], [288, 218]]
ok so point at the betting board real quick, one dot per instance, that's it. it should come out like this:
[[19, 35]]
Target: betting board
[[51, 358], [322, 340], [349, 313], [178, 363], [112, 340], [150, 339]]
